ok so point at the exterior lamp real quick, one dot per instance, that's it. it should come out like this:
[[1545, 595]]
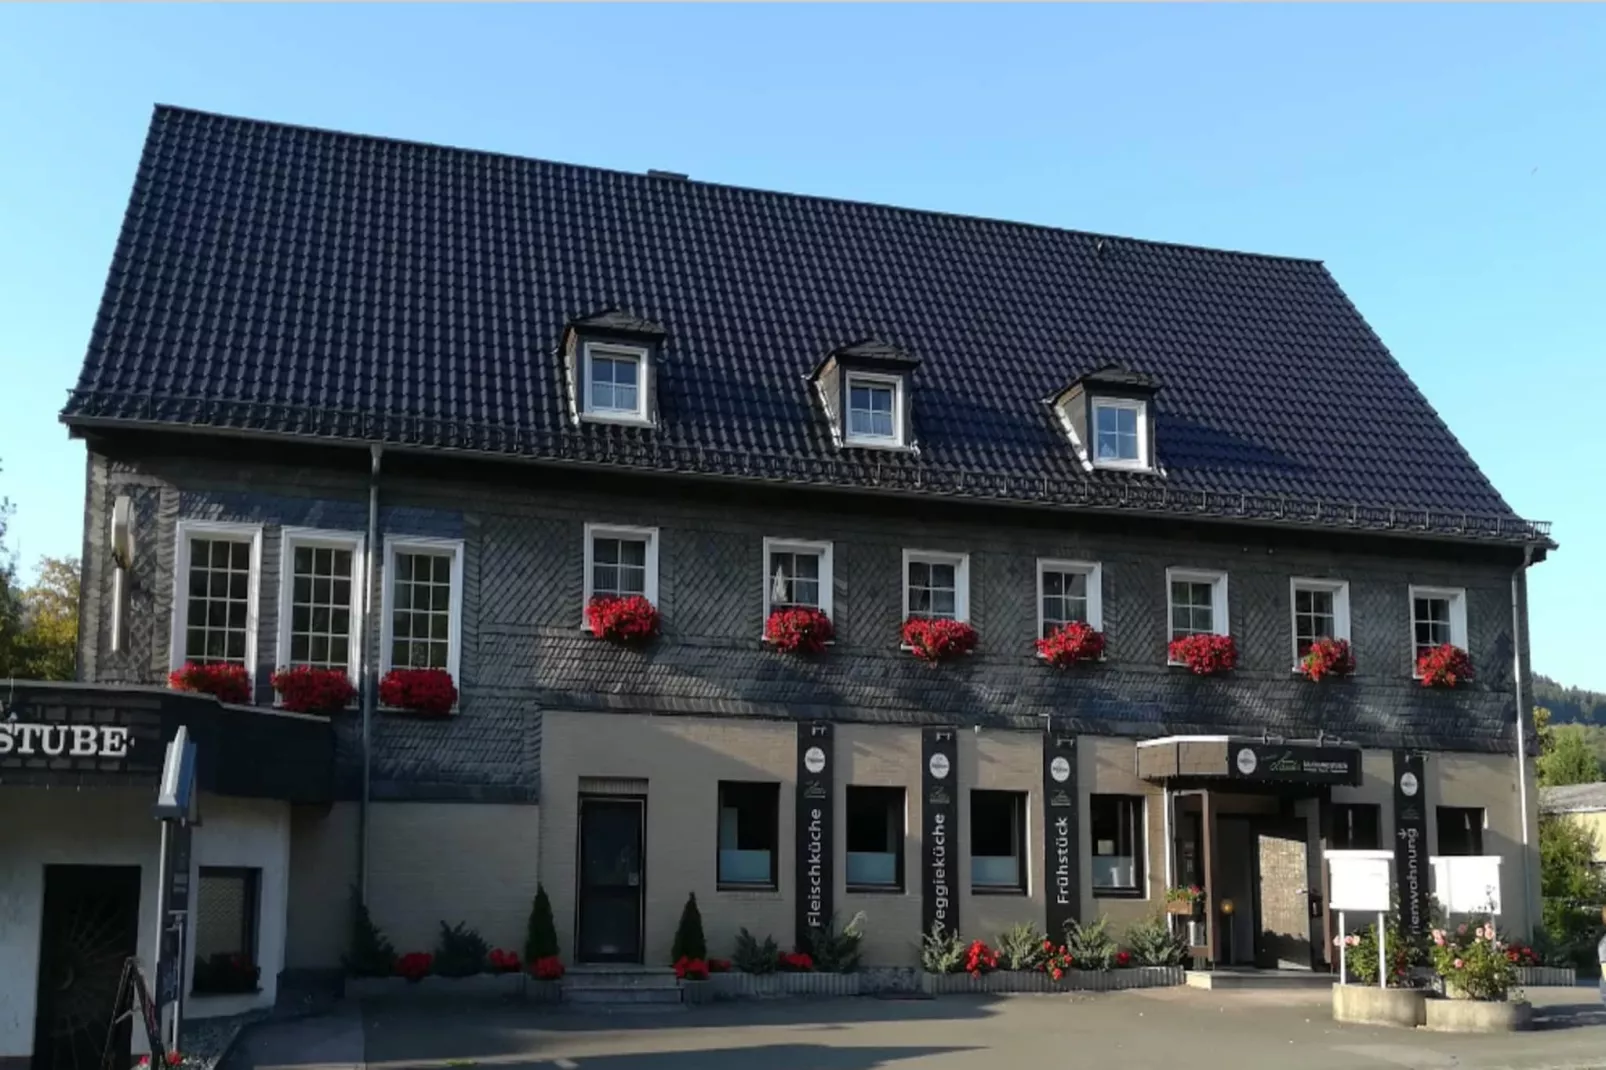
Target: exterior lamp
[[1227, 908]]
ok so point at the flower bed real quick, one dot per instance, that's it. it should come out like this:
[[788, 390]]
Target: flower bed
[[427, 691], [1327, 657], [1444, 666], [938, 639], [1205, 655], [1072, 643], [1546, 977], [622, 620], [304, 689], [798, 630], [999, 982], [226, 683]]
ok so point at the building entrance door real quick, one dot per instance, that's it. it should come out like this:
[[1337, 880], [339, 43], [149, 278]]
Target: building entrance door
[[88, 929], [611, 879], [1282, 897]]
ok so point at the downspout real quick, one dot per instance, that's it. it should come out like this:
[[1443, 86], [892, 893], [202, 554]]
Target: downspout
[[370, 675], [1519, 636]]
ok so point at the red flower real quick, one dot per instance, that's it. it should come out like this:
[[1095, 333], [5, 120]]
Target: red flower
[[719, 965], [549, 968], [1205, 655], [623, 620], [304, 689], [174, 1058], [1444, 666], [1072, 642], [980, 959], [225, 682], [1123, 959], [415, 965], [799, 630], [691, 969], [1327, 657], [428, 691], [501, 961], [936, 639], [796, 962]]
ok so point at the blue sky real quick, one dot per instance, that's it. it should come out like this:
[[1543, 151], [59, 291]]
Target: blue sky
[[1447, 162]]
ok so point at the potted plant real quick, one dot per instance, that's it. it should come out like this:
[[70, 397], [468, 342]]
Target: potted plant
[[798, 630], [1473, 963], [427, 691], [938, 639], [1070, 643], [622, 620], [1327, 657], [980, 959], [1183, 900], [306, 689], [1205, 655], [223, 681], [1445, 665]]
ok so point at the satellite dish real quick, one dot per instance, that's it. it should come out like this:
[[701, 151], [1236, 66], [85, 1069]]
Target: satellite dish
[[123, 531]]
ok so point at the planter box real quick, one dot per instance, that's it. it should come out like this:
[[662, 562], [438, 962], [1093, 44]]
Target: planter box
[[1000, 982], [1370, 1005], [1478, 1016], [536, 991], [738, 985], [481, 986], [1546, 976]]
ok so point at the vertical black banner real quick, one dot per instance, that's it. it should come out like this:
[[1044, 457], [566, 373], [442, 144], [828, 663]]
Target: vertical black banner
[[1411, 840], [1061, 890], [939, 834], [816, 773]]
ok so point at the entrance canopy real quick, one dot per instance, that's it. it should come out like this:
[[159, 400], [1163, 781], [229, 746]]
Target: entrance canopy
[[1232, 762]]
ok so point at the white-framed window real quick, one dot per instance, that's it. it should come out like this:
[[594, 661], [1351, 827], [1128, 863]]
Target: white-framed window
[[613, 383], [1438, 616], [217, 568], [936, 585], [1321, 611], [1197, 602], [320, 599], [874, 409], [1067, 591], [1120, 433], [797, 573], [422, 618], [620, 562]]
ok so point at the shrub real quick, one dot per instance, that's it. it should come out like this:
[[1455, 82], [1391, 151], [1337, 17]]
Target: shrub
[[836, 950], [368, 952], [1473, 959], [1360, 953], [941, 951], [1091, 947], [1020, 947], [751, 956], [226, 683], [798, 630], [540, 935], [689, 942], [1056, 960], [459, 951], [938, 639], [428, 691], [304, 689], [622, 620], [1205, 655], [1073, 642], [1154, 944]]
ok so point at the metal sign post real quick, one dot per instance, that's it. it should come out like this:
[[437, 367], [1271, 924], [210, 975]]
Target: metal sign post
[[176, 809]]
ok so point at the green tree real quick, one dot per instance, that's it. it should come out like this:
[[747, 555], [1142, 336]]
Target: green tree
[[689, 940], [48, 645], [1573, 888], [541, 936], [1568, 759]]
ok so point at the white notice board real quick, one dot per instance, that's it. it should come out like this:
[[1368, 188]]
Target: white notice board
[[1467, 884], [1360, 881]]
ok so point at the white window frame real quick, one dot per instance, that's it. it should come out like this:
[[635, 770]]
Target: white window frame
[[318, 538], [616, 531], [799, 546], [1457, 597], [1144, 460], [640, 354], [395, 544], [1339, 589], [897, 439], [961, 563], [1220, 625], [1094, 572], [183, 532]]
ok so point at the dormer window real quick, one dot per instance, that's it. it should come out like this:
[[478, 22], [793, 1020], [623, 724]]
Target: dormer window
[[1120, 433], [1108, 415], [874, 410], [864, 389], [610, 363], [613, 382]]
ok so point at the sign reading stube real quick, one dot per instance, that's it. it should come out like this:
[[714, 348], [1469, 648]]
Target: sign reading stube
[[25, 739], [939, 811], [816, 767]]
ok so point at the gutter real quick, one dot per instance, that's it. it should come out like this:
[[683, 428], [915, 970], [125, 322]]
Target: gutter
[[370, 666], [1519, 636]]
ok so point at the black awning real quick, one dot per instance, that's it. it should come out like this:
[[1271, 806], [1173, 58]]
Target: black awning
[[96, 735], [1228, 760]]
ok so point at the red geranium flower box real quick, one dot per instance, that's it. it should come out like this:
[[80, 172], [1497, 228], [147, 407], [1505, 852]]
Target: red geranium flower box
[[980, 959], [1073, 642], [415, 965], [225, 682], [795, 962], [798, 630], [1327, 657], [1444, 666], [622, 620], [936, 639], [428, 691], [691, 969], [304, 689], [549, 968], [1205, 655], [501, 961]]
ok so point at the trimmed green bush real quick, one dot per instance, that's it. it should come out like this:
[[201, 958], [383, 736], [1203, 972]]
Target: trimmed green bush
[[541, 935], [368, 952], [689, 940]]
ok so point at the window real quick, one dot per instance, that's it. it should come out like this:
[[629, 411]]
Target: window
[[1460, 830], [620, 562], [1067, 591], [874, 412], [1321, 611], [748, 834], [1198, 602], [320, 577], [1117, 831], [215, 593], [225, 930], [936, 585], [1438, 616], [1356, 827], [875, 827], [1120, 433], [615, 385], [797, 574], [423, 608], [998, 841]]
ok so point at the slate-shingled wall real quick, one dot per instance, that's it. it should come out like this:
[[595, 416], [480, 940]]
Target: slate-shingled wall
[[523, 649]]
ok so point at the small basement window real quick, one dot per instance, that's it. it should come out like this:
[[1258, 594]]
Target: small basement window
[[998, 841], [225, 930], [1120, 433], [614, 383], [874, 410], [748, 834], [875, 832]]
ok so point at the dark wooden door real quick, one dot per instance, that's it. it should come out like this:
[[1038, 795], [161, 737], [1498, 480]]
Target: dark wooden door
[[611, 879], [89, 928], [1282, 898]]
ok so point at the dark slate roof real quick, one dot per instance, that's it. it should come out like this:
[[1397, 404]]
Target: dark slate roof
[[281, 279]]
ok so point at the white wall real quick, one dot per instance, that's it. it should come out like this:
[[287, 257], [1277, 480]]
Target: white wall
[[40, 827]]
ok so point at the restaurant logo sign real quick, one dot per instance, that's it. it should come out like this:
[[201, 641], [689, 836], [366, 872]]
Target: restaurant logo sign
[[1060, 851], [814, 824], [1295, 763], [939, 899]]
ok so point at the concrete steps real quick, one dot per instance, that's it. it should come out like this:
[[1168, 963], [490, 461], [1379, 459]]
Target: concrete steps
[[1231, 980], [621, 986]]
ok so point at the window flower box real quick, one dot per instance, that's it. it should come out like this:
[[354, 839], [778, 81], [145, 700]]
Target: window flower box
[[1205, 655], [1184, 901], [798, 630], [938, 639], [427, 691], [622, 620], [1444, 666], [1070, 643], [224, 682], [304, 689], [1327, 657]]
